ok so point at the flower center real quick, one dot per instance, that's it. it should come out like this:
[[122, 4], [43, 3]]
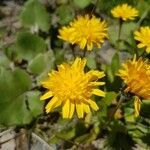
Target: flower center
[[73, 87]]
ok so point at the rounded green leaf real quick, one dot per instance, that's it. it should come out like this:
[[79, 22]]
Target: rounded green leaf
[[34, 14], [65, 14], [29, 45], [82, 3], [41, 63], [18, 106]]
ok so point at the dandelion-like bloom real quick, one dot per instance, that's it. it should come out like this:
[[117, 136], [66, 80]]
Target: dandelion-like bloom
[[143, 36], [85, 31], [72, 88], [136, 75], [124, 12]]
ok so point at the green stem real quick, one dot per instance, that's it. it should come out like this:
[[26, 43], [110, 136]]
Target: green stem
[[119, 34], [118, 105], [122, 98], [94, 7]]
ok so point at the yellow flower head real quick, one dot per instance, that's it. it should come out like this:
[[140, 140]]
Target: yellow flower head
[[136, 75], [85, 31], [72, 88], [124, 12], [143, 36]]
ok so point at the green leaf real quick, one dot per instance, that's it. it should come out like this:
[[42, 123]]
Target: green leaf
[[41, 63], [127, 30], [118, 138], [105, 102], [67, 133], [59, 56], [109, 73], [109, 97], [142, 7], [82, 3], [34, 14], [34, 103], [112, 69], [91, 61], [4, 61], [65, 14], [145, 107], [29, 45], [86, 138], [129, 114], [15, 98], [37, 65], [126, 33], [115, 63]]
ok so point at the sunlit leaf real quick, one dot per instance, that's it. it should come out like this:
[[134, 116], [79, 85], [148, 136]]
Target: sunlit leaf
[[82, 3]]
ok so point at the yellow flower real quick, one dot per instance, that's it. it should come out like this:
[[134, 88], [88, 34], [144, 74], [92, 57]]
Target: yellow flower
[[85, 31], [124, 12], [72, 88], [136, 75], [143, 36]]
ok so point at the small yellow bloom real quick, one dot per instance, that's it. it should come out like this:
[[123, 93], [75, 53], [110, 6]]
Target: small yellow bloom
[[72, 88], [143, 36], [136, 75], [124, 12], [85, 31]]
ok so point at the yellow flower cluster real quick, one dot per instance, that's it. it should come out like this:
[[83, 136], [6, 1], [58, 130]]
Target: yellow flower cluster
[[85, 32], [124, 12], [72, 88]]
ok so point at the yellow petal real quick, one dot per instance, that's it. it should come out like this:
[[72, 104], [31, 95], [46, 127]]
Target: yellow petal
[[79, 109], [90, 46], [140, 45], [51, 104], [99, 74], [137, 106], [98, 92], [72, 107], [148, 49], [76, 62], [46, 84], [93, 105], [66, 109], [96, 83], [46, 95], [86, 108], [83, 43]]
